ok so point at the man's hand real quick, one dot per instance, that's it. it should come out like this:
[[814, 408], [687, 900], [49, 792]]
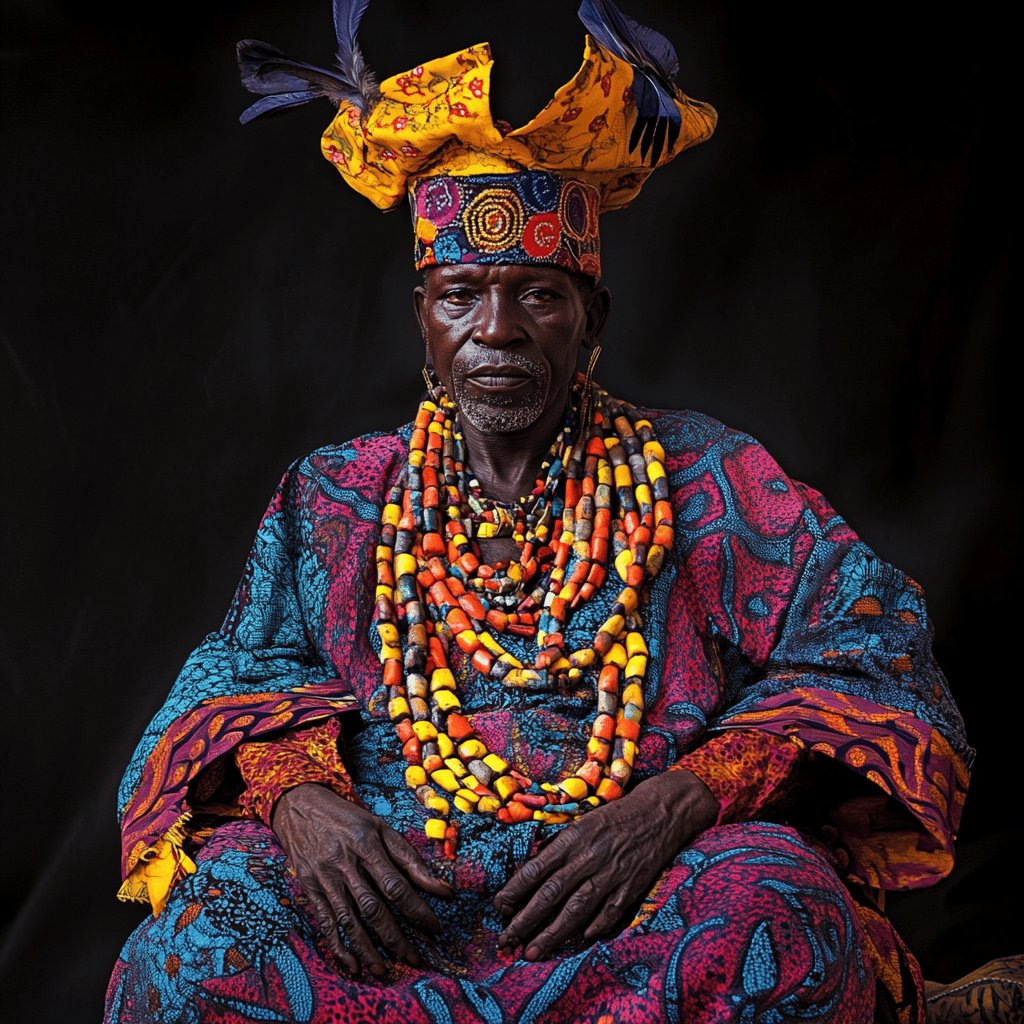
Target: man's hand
[[598, 867], [351, 865]]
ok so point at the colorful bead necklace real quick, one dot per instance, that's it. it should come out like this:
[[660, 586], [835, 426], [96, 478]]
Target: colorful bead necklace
[[433, 590]]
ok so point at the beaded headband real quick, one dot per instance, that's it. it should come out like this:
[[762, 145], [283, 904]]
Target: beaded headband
[[589, 150], [529, 217]]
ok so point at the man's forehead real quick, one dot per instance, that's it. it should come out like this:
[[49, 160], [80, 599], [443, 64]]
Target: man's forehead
[[496, 273]]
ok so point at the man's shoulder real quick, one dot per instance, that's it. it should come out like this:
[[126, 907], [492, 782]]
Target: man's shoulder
[[689, 436], [681, 431], [362, 461], [365, 446]]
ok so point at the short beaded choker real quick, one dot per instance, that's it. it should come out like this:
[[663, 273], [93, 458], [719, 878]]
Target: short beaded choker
[[603, 491]]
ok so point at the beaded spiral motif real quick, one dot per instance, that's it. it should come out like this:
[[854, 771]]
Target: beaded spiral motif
[[433, 590]]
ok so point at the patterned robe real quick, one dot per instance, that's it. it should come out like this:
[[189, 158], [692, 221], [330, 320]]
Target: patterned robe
[[772, 629]]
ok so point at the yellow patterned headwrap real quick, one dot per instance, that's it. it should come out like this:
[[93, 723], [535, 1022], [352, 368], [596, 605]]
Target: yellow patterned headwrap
[[436, 119], [482, 191]]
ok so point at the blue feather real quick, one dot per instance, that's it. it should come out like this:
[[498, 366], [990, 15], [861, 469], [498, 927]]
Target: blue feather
[[269, 104], [266, 70], [643, 47], [655, 65], [347, 16], [285, 82], [661, 51]]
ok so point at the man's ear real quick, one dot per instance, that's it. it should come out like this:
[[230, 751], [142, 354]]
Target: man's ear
[[419, 300], [598, 306]]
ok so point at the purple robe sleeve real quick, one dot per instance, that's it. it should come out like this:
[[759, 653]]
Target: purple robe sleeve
[[821, 642]]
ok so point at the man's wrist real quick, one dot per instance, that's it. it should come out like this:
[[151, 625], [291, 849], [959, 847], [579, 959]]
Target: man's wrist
[[291, 794], [689, 798]]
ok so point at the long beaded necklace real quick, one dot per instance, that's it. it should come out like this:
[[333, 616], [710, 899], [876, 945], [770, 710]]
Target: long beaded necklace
[[434, 590]]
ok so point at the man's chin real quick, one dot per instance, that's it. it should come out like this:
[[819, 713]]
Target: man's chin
[[490, 417]]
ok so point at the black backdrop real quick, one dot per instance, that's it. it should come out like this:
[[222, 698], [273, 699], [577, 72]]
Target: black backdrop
[[189, 305]]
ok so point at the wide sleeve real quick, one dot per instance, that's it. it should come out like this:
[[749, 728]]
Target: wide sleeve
[[826, 646], [271, 767], [748, 771], [262, 672]]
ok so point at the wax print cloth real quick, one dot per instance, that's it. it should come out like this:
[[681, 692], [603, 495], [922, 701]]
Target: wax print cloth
[[772, 616], [436, 118], [747, 770]]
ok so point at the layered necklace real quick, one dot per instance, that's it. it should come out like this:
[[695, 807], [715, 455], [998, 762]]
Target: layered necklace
[[602, 495]]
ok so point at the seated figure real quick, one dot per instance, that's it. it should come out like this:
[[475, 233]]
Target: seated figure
[[543, 706]]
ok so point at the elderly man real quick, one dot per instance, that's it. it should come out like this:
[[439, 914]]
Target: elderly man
[[542, 706]]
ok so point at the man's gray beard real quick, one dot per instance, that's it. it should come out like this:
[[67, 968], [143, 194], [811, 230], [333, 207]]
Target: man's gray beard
[[505, 414], [501, 414]]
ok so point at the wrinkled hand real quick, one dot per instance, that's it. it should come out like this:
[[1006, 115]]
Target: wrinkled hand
[[598, 867], [351, 865]]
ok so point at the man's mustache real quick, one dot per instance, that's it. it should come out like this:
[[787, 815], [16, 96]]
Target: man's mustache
[[489, 363]]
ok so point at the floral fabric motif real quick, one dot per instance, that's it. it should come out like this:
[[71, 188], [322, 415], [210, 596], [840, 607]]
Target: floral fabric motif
[[528, 217], [746, 770], [271, 767], [435, 119]]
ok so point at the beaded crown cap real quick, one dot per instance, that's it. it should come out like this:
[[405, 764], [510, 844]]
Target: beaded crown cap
[[480, 190]]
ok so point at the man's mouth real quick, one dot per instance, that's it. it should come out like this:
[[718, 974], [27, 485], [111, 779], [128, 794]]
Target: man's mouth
[[499, 377]]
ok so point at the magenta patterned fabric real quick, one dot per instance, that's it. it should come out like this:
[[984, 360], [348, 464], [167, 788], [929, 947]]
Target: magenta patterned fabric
[[237, 944], [772, 615]]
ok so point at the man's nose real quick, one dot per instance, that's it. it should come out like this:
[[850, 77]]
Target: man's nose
[[497, 321]]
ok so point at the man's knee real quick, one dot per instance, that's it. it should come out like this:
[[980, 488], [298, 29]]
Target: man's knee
[[236, 910], [761, 918]]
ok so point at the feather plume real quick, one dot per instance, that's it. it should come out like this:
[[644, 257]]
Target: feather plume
[[285, 82], [655, 65], [349, 57]]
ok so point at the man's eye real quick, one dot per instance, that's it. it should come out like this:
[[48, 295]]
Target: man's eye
[[539, 295], [458, 295]]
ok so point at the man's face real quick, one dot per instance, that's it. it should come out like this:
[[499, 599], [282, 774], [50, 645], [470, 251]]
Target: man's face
[[503, 339]]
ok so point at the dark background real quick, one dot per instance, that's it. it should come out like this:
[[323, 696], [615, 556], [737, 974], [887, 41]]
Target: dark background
[[188, 305]]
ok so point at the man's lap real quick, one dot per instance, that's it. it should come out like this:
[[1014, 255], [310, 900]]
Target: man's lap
[[751, 915]]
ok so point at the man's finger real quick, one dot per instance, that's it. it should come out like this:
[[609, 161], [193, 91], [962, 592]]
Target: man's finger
[[342, 906], [546, 903], [519, 887], [405, 856], [329, 929], [373, 911], [610, 918], [576, 912], [362, 945], [395, 888]]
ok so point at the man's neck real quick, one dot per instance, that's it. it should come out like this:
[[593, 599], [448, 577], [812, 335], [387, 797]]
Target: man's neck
[[507, 465]]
